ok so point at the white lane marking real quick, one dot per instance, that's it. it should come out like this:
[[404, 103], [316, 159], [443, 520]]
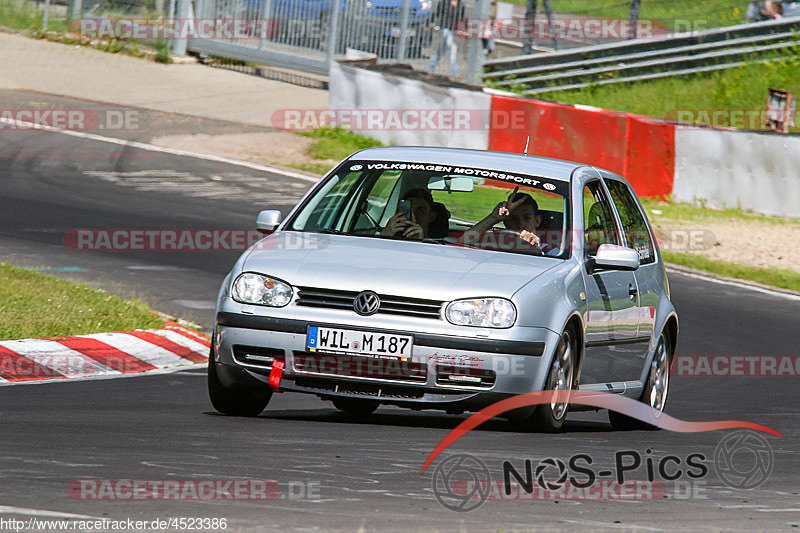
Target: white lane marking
[[741, 506], [734, 284], [610, 525], [157, 371], [177, 338], [57, 357], [153, 148], [140, 349], [156, 268], [778, 510], [196, 304], [254, 188], [7, 509]]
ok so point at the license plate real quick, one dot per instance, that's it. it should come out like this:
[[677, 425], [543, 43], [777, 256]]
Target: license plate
[[348, 341], [395, 31]]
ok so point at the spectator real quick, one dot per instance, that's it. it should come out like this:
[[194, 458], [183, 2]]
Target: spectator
[[488, 37], [774, 9], [490, 30], [448, 15], [760, 10]]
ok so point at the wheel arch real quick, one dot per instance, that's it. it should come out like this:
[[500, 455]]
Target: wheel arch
[[671, 329], [575, 320]]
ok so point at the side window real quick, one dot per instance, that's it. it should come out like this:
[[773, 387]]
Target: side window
[[599, 226], [330, 203], [636, 234]]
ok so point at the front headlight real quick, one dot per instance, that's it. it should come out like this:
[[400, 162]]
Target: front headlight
[[251, 288], [482, 312]]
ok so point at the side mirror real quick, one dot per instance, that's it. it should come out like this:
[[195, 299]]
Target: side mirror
[[268, 220], [613, 257]]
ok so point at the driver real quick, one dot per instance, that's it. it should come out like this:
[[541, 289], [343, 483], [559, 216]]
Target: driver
[[417, 223]]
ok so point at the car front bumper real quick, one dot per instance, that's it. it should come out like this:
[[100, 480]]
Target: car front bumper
[[451, 372]]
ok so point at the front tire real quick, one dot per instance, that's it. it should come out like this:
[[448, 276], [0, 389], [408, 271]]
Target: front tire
[[234, 401], [655, 390], [549, 418]]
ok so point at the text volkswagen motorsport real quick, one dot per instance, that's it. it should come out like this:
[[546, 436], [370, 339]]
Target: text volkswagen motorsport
[[448, 279]]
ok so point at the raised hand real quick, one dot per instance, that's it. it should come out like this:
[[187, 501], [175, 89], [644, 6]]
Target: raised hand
[[530, 237], [503, 209], [414, 231], [398, 223]]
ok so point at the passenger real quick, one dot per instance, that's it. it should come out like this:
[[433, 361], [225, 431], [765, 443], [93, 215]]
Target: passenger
[[417, 223], [520, 213]]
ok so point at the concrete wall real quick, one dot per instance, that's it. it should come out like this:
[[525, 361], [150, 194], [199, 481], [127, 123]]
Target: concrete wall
[[354, 88], [752, 171]]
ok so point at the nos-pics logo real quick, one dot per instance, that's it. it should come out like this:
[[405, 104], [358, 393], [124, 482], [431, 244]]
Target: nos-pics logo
[[742, 460]]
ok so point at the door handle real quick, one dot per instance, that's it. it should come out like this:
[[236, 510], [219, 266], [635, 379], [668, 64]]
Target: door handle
[[632, 291]]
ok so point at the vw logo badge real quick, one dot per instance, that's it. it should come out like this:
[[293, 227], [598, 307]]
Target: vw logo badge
[[366, 303]]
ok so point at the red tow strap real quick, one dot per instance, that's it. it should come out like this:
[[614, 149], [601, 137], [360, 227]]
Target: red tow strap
[[275, 375]]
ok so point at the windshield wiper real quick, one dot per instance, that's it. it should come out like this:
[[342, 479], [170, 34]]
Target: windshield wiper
[[435, 241], [327, 231]]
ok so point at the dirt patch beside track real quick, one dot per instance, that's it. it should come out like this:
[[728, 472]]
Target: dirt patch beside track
[[745, 242], [274, 147]]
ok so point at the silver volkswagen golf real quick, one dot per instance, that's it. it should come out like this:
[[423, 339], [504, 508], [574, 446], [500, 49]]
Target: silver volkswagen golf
[[434, 278]]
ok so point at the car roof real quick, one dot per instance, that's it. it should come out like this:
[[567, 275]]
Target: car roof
[[523, 164]]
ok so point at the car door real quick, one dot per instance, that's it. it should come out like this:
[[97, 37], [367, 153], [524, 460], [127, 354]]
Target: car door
[[638, 236], [611, 312]]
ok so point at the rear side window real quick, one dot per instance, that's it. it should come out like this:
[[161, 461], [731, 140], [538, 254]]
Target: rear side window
[[636, 234]]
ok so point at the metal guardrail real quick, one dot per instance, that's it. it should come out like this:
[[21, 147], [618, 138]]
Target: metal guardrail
[[635, 60]]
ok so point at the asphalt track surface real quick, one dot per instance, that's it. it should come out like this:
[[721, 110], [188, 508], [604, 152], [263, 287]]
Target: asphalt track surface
[[356, 474]]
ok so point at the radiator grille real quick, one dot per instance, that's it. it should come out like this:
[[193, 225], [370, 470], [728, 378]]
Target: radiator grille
[[392, 305]]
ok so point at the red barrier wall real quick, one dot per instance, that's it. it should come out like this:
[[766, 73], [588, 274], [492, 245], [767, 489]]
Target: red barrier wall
[[636, 147]]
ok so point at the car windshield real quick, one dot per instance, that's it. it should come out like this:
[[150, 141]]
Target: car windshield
[[441, 204]]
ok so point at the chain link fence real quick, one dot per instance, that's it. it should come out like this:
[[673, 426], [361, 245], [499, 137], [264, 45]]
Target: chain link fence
[[442, 36]]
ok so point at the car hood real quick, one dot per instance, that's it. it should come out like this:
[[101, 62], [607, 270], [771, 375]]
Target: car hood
[[392, 267]]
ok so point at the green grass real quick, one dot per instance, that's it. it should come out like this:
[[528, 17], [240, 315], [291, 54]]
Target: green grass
[[784, 279], [314, 168], [162, 52], [743, 89], [332, 144], [21, 15], [24, 16], [708, 14], [474, 206], [697, 213], [33, 305], [337, 143]]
